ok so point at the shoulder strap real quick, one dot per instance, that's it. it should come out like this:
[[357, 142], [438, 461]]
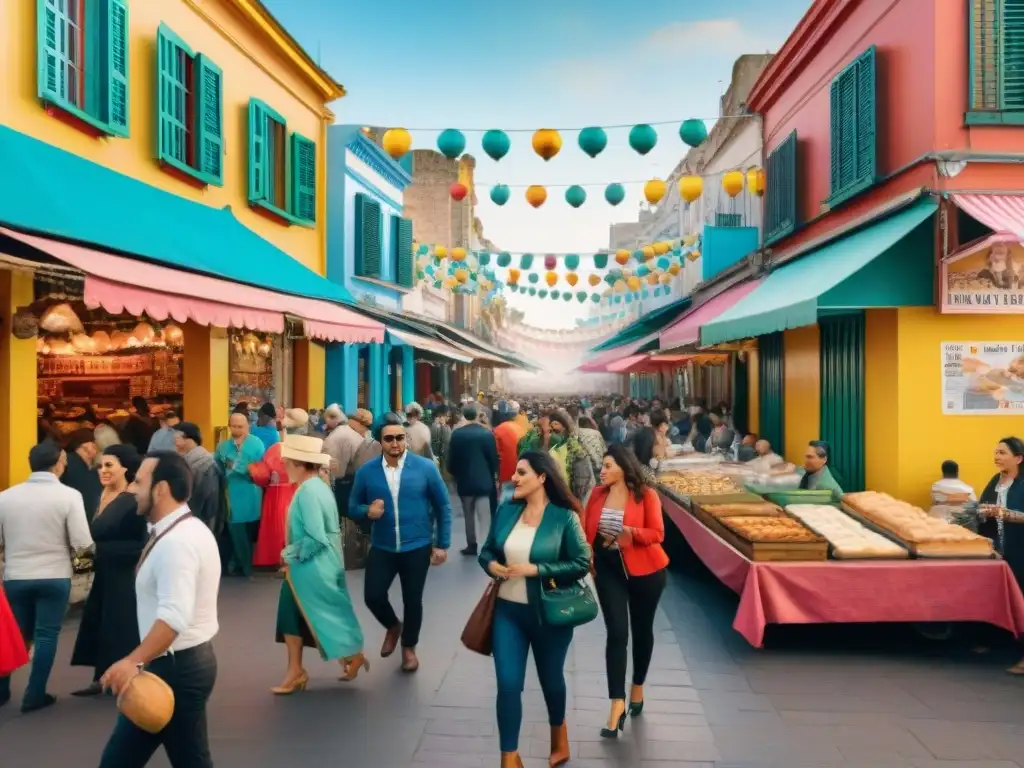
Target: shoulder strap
[[154, 540]]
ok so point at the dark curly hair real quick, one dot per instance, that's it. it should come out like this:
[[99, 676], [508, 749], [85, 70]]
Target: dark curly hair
[[632, 475], [555, 487]]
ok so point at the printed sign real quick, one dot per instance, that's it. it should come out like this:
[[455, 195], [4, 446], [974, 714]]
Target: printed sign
[[983, 377], [985, 279]]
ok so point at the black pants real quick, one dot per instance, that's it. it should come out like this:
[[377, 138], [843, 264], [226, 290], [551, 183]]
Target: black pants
[[411, 569], [626, 600], [191, 675]]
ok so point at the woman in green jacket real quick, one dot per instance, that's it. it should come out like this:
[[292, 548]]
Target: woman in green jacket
[[535, 539]]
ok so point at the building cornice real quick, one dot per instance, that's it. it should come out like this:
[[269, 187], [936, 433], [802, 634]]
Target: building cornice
[[379, 161]]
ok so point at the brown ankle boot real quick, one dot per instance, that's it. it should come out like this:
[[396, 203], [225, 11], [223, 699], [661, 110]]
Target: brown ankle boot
[[559, 745], [511, 760]]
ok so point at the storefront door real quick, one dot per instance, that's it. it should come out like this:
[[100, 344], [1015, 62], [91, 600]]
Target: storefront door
[[771, 364], [842, 396]]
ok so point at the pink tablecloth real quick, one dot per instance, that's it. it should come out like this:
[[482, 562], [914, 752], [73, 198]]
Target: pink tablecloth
[[855, 591]]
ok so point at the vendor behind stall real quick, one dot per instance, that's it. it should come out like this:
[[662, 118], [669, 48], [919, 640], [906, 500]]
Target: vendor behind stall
[[817, 475]]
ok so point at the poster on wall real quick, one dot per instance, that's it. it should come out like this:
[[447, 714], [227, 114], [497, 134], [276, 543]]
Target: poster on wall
[[983, 378], [985, 279]]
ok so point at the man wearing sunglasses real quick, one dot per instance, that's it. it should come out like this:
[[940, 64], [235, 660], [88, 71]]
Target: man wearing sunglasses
[[407, 501]]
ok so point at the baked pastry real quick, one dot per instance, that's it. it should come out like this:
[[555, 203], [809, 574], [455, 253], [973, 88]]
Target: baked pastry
[[929, 536], [761, 509], [699, 483], [771, 530], [850, 539]]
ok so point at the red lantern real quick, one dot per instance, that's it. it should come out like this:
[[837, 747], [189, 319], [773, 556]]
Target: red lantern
[[550, 262], [458, 191]]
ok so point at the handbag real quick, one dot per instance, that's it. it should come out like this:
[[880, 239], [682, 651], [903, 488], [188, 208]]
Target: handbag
[[478, 633], [571, 606]]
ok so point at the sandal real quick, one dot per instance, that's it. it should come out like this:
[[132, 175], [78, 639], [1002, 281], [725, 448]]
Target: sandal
[[352, 665]]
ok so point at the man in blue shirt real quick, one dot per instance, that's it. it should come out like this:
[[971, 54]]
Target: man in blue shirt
[[407, 501]]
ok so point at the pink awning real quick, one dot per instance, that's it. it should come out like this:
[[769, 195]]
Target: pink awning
[[625, 364], [598, 363], [1001, 213], [187, 296], [687, 330]]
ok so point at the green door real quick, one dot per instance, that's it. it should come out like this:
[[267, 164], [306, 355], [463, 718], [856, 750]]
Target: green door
[[842, 396], [771, 389], [741, 395]]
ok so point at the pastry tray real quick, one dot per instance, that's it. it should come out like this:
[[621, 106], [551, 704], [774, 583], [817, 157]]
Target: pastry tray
[[835, 555], [764, 552], [871, 525]]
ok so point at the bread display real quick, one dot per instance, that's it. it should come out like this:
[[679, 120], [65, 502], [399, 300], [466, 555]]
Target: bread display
[[850, 539], [771, 530], [761, 509], [926, 535], [699, 483]]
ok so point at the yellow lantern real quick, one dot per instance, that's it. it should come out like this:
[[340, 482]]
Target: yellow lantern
[[693, 255], [633, 283], [513, 276], [458, 254], [620, 286], [551, 278], [691, 187], [662, 248], [462, 275], [652, 278], [623, 256], [396, 142], [440, 251], [755, 181], [648, 251], [689, 240], [536, 195], [732, 183], [450, 283], [594, 280], [547, 142], [572, 278], [654, 190], [674, 269], [665, 279]]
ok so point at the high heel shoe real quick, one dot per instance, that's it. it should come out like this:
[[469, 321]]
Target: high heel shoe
[[636, 707], [613, 733], [352, 666], [296, 685], [511, 760]]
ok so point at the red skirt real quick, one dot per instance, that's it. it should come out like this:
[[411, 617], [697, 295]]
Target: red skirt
[[12, 645], [273, 519]]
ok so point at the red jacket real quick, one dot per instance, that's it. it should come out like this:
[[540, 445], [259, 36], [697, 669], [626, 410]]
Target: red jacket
[[645, 554], [506, 437]]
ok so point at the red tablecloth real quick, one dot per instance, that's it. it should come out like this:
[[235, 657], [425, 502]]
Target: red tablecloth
[[837, 592]]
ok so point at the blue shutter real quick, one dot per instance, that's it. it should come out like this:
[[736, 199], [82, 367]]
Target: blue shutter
[[367, 236], [51, 29], [405, 254], [303, 178], [172, 132], [116, 101], [257, 151], [781, 195], [209, 117]]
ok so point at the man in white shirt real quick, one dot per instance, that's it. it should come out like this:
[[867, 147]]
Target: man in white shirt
[[42, 522], [176, 586], [950, 494]]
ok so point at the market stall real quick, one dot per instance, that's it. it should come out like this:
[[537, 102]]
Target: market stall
[[259, 368]]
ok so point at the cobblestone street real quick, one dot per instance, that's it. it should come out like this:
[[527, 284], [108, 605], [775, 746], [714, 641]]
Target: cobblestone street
[[813, 699]]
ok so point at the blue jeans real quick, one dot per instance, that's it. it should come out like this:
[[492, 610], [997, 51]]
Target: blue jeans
[[38, 606], [517, 628]]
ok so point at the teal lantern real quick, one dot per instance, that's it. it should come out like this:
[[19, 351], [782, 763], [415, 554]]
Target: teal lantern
[[593, 140], [572, 262], [657, 291], [500, 194], [533, 291], [642, 271], [639, 256], [504, 259], [596, 298], [543, 292], [610, 278], [438, 284], [420, 274], [496, 144], [677, 252], [556, 294], [429, 269], [423, 249], [600, 260], [629, 298], [575, 195], [614, 194], [645, 294], [617, 299], [513, 288], [581, 296], [526, 261], [472, 277], [693, 132], [451, 143], [567, 296], [663, 263], [484, 258], [534, 277], [642, 138]]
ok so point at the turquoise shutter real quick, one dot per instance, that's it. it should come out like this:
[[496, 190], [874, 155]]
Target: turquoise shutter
[[367, 236], [781, 195], [866, 169], [1011, 81], [303, 178], [842, 396], [172, 133], [843, 122], [728, 220], [209, 117], [116, 100], [257, 151], [51, 26], [771, 390], [405, 255]]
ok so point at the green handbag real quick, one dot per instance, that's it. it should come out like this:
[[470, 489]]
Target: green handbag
[[571, 606]]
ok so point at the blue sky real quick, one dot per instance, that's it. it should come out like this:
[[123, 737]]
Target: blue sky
[[539, 63]]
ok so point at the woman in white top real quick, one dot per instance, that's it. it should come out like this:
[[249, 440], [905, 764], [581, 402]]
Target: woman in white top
[[535, 537]]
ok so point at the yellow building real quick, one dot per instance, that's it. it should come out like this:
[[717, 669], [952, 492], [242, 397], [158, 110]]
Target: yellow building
[[188, 136]]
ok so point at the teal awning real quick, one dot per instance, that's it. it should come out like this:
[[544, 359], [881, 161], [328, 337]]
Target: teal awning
[[646, 325], [52, 192], [887, 264]]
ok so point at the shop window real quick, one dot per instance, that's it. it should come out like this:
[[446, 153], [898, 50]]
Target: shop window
[[853, 127], [728, 220], [83, 61], [401, 252], [190, 110], [282, 167], [368, 223], [781, 193], [996, 83]]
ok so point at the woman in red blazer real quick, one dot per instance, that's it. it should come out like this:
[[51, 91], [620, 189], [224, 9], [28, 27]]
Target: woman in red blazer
[[625, 528]]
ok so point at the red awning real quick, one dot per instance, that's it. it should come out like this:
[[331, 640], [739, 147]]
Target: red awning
[[625, 364], [169, 293], [1001, 213], [598, 363], [687, 330]]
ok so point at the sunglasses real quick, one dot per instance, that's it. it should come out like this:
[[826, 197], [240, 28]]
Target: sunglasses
[[393, 439]]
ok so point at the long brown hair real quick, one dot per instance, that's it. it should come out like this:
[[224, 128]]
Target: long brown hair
[[632, 475]]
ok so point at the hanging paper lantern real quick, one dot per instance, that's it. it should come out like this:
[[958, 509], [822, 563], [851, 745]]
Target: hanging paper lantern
[[543, 292], [440, 251], [614, 194], [691, 187], [458, 191], [596, 298], [504, 259], [484, 258], [534, 277], [526, 261], [462, 275], [663, 263], [693, 132], [575, 195], [673, 269], [581, 296], [642, 271], [533, 291], [610, 278], [572, 278], [622, 256], [396, 142], [556, 295], [438, 284], [620, 286], [423, 248], [458, 254], [755, 181], [547, 142], [732, 183], [633, 283], [693, 255], [662, 248], [571, 261], [593, 140], [550, 262], [551, 278], [652, 278], [600, 260], [472, 276], [665, 279], [451, 143], [536, 195], [496, 144], [594, 279], [567, 296], [420, 274], [500, 194], [513, 276], [648, 251], [654, 190], [638, 254], [450, 282], [642, 138], [629, 298]]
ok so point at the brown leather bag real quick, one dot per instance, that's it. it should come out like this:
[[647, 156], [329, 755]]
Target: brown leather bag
[[477, 636]]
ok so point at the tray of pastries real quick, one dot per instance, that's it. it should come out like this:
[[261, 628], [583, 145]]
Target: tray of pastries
[[752, 509], [926, 536], [777, 539], [850, 539], [699, 483]]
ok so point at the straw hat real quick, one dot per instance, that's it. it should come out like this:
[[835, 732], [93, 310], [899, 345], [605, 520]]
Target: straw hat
[[147, 701], [308, 450], [295, 418]]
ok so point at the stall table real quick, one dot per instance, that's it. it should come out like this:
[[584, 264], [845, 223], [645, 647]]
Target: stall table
[[838, 592]]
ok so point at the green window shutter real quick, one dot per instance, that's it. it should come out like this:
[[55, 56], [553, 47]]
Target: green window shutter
[[51, 26], [367, 236], [303, 178], [771, 390], [258, 155], [781, 194], [866, 118], [996, 56], [116, 101], [1012, 80], [852, 118], [172, 89], [728, 220], [405, 254], [842, 396], [209, 119]]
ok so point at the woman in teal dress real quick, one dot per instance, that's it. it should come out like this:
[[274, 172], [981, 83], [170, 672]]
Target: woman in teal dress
[[245, 498], [314, 609]]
